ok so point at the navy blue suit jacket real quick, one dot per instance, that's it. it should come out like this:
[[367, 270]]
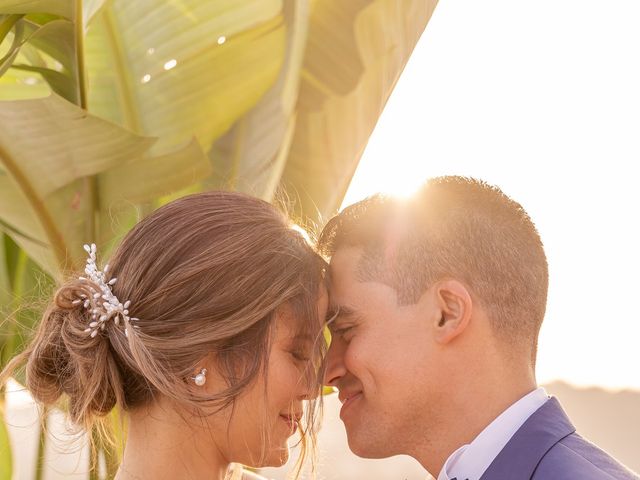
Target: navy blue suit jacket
[[547, 447]]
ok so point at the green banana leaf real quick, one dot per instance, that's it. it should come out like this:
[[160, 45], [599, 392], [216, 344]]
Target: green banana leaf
[[252, 155], [356, 51], [15, 83], [307, 133], [10, 25], [90, 8], [51, 28], [27, 285], [180, 69], [58, 159], [288, 90], [63, 8]]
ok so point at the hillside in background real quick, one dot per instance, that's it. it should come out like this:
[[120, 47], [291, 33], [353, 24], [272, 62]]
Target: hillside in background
[[609, 419]]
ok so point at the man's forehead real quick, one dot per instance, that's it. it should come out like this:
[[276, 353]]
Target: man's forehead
[[342, 278], [344, 263], [346, 283], [349, 269]]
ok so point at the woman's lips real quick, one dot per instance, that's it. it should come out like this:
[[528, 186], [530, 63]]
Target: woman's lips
[[348, 402], [291, 422]]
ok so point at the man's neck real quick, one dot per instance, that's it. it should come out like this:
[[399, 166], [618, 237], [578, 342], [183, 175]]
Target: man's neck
[[470, 411]]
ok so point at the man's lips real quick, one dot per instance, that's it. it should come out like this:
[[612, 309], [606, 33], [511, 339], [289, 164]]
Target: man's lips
[[347, 399]]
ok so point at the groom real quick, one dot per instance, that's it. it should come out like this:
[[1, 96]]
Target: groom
[[439, 301]]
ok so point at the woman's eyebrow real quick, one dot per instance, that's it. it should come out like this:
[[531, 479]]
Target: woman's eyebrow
[[303, 337]]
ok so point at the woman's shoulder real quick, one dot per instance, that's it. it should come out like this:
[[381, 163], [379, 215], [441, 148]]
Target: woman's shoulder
[[239, 473], [247, 475]]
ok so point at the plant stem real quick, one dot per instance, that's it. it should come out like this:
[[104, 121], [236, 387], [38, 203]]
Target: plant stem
[[17, 290], [81, 76], [7, 24], [42, 440], [91, 183]]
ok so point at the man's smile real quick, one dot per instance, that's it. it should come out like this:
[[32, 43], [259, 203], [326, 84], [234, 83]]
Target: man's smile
[[347, 399]]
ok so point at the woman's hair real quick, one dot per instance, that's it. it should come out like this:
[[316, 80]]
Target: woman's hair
[[205, 274]]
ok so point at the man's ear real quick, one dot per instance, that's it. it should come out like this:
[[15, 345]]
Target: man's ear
[[454, 302]]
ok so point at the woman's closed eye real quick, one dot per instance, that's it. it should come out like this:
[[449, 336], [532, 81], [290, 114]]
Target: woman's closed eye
[[300, 355], [342, 331]]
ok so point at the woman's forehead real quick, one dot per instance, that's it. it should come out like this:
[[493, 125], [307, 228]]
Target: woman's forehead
[[293, 323]]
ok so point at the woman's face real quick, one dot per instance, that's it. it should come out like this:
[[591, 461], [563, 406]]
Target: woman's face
[[265, 416]]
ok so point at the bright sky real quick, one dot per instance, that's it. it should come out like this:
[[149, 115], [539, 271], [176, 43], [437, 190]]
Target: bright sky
[[543, 100]]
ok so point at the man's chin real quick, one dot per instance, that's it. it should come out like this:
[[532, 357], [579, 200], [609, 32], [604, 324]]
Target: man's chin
[[367, 449]]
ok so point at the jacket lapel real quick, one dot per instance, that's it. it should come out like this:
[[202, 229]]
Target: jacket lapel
[[520, 457]]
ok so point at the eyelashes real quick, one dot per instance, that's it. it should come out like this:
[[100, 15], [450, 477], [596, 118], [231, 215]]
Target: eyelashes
[[332, 315], [300, 356], [342, 331]]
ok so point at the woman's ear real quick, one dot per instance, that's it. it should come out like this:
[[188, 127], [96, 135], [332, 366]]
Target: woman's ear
[[204, 377], [454, 302]]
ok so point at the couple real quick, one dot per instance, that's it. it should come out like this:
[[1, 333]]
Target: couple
[[211, 338]]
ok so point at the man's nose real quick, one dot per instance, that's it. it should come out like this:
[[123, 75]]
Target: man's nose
[[335, 362]]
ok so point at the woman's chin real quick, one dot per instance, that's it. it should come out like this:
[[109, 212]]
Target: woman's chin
[[278, 457]]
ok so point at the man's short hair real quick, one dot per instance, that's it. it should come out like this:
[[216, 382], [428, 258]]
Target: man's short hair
[[457, 228]]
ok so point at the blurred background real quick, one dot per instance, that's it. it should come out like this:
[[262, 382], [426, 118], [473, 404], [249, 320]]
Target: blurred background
[[270, 96]]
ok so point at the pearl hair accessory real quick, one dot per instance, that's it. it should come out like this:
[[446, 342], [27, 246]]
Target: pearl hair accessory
[[103, 304], [201, 378]]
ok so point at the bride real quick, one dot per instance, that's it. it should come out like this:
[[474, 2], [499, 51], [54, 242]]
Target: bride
[[204, 328]]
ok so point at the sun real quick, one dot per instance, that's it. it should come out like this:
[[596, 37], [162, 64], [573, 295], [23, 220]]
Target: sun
[[374, 177]]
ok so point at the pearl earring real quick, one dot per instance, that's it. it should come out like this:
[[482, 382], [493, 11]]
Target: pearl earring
[[201, 378]]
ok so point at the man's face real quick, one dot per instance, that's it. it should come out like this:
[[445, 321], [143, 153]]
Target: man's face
[[381, 359]]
